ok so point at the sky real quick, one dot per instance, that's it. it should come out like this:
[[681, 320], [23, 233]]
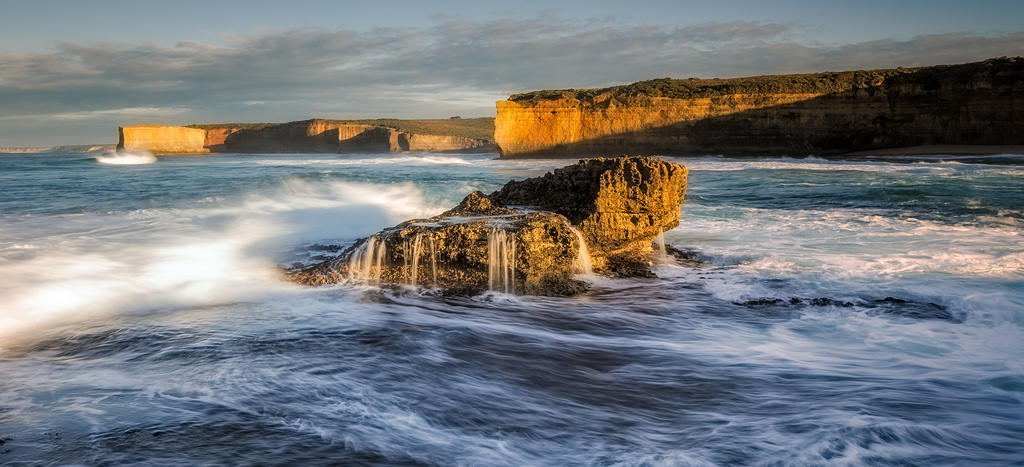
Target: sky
[[71, 72]]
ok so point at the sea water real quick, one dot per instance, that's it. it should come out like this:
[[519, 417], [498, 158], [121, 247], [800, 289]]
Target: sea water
[[828, 312]]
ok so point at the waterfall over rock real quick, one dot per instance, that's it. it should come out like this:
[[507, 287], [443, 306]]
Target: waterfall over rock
[[597, 216], [582, 264], [659, 247], [501, 261], [366, 261]]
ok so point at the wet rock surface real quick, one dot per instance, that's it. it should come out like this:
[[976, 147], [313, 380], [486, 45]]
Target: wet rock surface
[[619, 205], [531, 237]]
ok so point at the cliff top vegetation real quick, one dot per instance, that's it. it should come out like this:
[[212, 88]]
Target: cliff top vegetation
[[808, 83], [477, 128]]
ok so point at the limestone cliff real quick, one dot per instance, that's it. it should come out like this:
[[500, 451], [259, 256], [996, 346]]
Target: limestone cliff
[[313, 136], [825, 113], [160, 139], [439, 143]]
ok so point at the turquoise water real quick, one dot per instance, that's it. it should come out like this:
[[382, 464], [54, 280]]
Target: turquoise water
[[841, 312]]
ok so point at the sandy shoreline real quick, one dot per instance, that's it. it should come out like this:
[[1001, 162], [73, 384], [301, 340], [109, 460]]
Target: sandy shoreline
[[943, 149]]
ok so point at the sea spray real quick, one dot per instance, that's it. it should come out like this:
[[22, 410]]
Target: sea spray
[[135, 157], [501, 261], [63, 281], [217, 238], [335, 210], [582, 264]]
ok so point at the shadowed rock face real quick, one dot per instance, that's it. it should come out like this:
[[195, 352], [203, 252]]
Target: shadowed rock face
[[978, 103], [619, 205], [530, 237]]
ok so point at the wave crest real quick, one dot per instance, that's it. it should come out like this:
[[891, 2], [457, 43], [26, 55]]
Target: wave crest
[[136, 157]]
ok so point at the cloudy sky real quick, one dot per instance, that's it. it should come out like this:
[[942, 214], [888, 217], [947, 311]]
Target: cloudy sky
[[72, 71]]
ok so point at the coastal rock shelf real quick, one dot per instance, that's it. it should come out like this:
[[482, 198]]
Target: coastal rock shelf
[[825, 113], [531, 237]]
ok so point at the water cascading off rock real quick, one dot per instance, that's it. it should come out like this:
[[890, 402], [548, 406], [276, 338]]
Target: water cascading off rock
[[531, 237]]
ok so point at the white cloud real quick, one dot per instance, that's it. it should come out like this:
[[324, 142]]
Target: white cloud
[[452, 67]]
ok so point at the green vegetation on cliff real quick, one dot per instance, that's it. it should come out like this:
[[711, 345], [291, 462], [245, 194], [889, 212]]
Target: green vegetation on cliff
[[809, 83], [477, 128]]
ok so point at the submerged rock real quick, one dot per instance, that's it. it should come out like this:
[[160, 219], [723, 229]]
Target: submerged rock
[[530, 237]]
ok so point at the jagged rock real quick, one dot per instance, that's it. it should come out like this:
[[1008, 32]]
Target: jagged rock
[[472, 248], [477, 204], [619, 205], [530, 237]]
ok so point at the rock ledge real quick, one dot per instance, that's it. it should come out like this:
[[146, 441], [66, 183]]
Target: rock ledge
[[530, 237]]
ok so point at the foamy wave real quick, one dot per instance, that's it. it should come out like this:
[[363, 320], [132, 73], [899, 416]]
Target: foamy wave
[[854, 242], [69, 281], [973, 263], [127, 158], [60, 272], [310, 211]]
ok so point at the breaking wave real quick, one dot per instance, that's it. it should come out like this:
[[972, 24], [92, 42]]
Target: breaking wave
[[73, 268], [135, 157]]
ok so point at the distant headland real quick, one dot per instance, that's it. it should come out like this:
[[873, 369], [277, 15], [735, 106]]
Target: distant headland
[[964, 107], [973, 108], [315, 136], [68, 148]]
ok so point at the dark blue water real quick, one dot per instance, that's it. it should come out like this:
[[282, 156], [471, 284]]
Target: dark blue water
[[841, 312]]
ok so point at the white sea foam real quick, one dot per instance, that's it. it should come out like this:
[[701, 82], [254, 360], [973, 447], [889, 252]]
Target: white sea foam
[[64, 269], [127, 158], [845, 255], [853, 243]]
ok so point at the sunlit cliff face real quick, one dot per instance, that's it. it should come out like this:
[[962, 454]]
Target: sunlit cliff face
[[548, 126], [313, 136], [826, 113], [161, 139]]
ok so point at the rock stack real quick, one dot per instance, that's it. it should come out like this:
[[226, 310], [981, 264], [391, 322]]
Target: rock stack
[[530, 237]]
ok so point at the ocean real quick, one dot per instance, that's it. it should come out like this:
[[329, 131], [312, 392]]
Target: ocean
[[832, 312]]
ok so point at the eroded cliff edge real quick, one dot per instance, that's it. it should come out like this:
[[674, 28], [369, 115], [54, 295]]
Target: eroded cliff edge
[[316, 136], [824, 113]]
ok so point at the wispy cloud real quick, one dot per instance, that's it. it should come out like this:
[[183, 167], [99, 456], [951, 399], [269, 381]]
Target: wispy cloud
[[131, 112], [452, 67]]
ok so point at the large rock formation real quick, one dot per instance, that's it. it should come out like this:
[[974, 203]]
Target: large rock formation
[[825, 113], [619, 205], [530, 237], [162, 139], [308, 136]]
